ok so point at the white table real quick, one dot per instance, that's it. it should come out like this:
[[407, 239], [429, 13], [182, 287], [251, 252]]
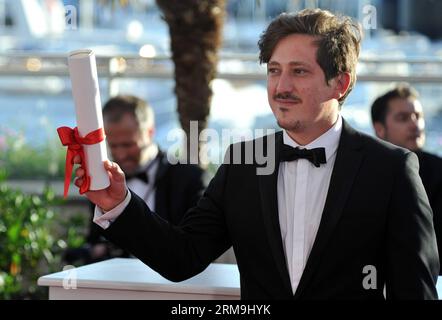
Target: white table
[[131, 279], [439, 287]]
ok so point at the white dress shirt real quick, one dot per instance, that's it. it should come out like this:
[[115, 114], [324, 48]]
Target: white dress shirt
[[146, 191], [302, 190]]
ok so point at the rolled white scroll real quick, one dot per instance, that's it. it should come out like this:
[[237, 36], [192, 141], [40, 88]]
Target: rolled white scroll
[[86, 94]]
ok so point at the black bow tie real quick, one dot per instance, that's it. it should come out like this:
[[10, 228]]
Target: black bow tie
[[139, 175], [315, 156]]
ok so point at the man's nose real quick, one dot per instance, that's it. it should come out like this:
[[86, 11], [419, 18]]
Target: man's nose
[[118, 153], [285, 83], [414, 122]]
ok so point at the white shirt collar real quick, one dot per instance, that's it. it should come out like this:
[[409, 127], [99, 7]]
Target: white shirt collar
[[328, 140]]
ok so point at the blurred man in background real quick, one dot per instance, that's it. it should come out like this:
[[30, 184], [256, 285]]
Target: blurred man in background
[[398, 118]]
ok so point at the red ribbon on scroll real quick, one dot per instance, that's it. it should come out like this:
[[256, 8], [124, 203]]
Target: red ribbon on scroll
[[71, 138]]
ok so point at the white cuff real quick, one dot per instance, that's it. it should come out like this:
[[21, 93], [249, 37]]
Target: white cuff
[[104, 219]]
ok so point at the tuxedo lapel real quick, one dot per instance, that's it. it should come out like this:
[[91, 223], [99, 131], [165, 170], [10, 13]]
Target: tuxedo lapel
[[162, 167], [162, 201], [269, 201], [347, 163]]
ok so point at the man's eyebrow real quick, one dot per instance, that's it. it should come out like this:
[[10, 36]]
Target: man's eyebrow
[[403, 113], [291, 63], [273, 63]]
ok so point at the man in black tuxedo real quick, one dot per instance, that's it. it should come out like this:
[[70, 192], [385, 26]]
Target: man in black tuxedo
[[398, 118], [342, 214], [170, 189]]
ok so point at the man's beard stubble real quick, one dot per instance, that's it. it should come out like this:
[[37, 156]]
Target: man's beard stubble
[[293, 126]]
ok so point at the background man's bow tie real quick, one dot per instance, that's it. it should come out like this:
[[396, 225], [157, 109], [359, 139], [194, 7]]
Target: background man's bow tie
[[139, 175]]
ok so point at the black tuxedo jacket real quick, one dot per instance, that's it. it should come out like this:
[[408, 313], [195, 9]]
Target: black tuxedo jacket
[[376, 214], [177, 188], [430, 170]]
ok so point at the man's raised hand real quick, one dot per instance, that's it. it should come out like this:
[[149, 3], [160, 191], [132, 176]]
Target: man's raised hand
[[114, 194]]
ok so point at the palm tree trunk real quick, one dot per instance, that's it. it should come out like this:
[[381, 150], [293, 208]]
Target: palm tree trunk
[[195, 28]]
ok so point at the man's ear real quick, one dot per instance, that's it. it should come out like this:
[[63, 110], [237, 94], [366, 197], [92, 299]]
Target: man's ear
[[342, 84], [379, 129]]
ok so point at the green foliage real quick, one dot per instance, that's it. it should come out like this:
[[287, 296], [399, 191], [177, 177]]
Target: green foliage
[[25, 161], [72, 231], [30, 245]]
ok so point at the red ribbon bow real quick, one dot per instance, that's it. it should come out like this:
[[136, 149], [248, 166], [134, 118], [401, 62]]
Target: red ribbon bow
[[71, 138]]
